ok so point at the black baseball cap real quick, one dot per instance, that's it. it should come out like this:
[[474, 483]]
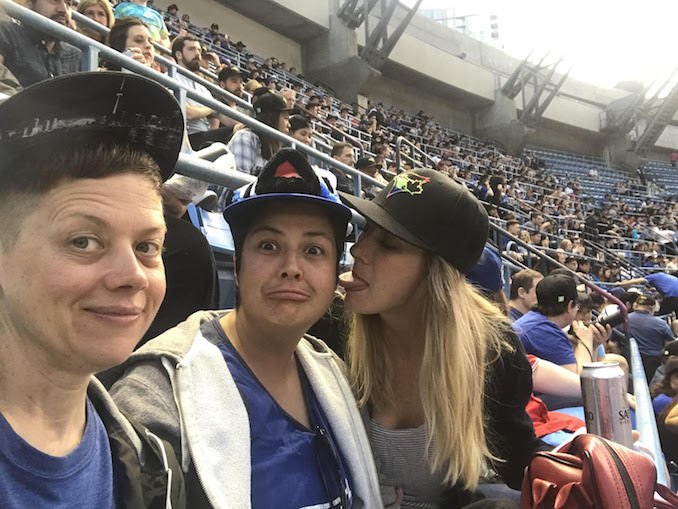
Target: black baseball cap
[[556, 289], [298, 122], [228, 71], [431, 211], [287, 176], [269, 102], [77, 109], [366, 162]]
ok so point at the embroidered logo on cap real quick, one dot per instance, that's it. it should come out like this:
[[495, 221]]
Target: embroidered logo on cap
[[286, 170], [410, 183]]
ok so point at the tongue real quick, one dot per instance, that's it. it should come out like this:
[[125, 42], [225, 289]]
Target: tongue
[[350, 285]]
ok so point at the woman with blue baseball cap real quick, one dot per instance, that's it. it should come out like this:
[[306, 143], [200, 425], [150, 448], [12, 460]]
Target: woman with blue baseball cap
[[442, 379], [259, 412]]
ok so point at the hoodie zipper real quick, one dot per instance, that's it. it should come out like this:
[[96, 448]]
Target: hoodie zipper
[[163, 455], [625, 477]]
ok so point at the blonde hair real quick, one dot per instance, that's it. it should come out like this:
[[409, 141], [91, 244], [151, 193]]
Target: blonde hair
[[463, 333]]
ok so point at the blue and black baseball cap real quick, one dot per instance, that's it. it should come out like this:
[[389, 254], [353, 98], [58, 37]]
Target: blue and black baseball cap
[[287, 177]]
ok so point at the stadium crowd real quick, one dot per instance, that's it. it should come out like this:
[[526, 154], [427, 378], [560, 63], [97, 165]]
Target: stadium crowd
[[199, 407]]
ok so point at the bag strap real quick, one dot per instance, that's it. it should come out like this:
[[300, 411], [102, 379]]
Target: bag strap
[[670, 499]]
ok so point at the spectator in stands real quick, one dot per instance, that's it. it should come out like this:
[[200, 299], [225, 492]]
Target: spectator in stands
[[131, 34], [139, 9], [300, 129], [523, 293], [290, 97], [99, 11], [650, 332], [541, 330], [535, 222], [664, 391], [33, 56], [282, 422], [571, 263], [230, 79], [81, 234], [199, 118], [417, 362], [209, 63], [513, 227], [252, 150], [666, 285], [670, 353], [343, 152], [370, 167]]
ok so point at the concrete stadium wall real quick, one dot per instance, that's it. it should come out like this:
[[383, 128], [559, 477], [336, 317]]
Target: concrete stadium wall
[[399, 94], [260, 40]]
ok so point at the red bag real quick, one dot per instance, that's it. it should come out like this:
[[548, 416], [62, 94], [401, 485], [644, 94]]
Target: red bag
[[591, 472]]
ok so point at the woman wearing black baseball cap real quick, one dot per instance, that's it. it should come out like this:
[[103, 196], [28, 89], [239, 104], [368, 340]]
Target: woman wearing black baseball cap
[[443, 377], [252, 150]]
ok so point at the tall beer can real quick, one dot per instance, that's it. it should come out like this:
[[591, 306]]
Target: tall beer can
[[603, 387]]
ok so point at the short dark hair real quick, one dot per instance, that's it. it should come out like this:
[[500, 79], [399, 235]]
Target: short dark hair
[[179, 43], [523, 279], [172, 7], [117, 38], [34, 174], [338, 148]]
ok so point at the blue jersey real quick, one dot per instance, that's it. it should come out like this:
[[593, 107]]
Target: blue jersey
[[543, 338], [666, 284], [293, 466], [82, 478]]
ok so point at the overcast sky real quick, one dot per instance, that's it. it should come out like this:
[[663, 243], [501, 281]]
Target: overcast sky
[[606, 41]]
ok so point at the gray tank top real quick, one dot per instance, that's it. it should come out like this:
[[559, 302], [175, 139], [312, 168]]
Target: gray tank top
[[400, 456]]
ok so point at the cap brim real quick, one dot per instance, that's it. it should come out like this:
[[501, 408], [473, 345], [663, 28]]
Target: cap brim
[[236, 211], [81, 108], [374, 212]]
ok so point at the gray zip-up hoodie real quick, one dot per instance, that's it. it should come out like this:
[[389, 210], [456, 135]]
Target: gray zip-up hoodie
[[178, 385]]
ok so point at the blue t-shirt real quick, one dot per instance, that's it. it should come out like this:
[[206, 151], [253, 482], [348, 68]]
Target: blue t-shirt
[[514, 314], [650, 332], [665, 283], [542, 337], [660, 402], [292, 466], [82, 478]]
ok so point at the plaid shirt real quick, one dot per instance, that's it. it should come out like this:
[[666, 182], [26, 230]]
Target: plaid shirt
[[246, 149]]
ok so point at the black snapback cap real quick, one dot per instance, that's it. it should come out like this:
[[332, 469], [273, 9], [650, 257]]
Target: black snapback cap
[[80, 108], [556, 289], [228, 71], [431, 211]]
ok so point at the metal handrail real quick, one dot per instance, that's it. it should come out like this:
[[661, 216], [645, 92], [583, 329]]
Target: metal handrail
[[645, 420], [170, 63], [93, 49], [352, 140], [399, 141]]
